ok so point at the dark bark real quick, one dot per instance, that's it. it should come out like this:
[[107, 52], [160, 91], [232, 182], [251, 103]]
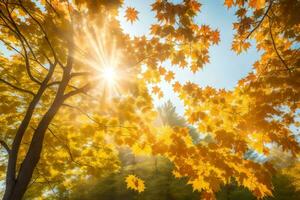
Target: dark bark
[[11, 167], [12, 160], [33, 155], [16, 187]]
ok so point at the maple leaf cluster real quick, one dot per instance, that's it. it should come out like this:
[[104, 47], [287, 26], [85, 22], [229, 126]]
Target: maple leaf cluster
[[62, 122], [135, 183]]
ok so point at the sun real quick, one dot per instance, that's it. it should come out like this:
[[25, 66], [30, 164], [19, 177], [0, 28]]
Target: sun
[[109, 74], [100, 51]]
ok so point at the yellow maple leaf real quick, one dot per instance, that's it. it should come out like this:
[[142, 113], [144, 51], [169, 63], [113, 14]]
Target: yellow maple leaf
[[155, 90], [176, 86], [135, 183], [131, 14], [162, 70], [169, 76], [257, 4]]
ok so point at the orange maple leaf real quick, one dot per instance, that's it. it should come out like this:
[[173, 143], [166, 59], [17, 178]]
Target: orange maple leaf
[[257, 4], [155, 89], [195, 6], [162, 70], [215, 37], [176, 86], [131, 14], [194, 68], [228, 3], [169, 76]]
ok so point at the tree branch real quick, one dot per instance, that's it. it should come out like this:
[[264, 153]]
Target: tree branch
[[6, 147], [259, 23], [48, 182], [49, 3], [77, 91], [17, 88], [81, 74], [68, 150], [94, 120], [21, 38], [275, 48], [42, 29], [53, 83], [10, 46]]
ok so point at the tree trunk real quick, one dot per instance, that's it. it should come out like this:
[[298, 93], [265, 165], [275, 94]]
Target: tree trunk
[[33, 155], [18, 189], [13, 156]]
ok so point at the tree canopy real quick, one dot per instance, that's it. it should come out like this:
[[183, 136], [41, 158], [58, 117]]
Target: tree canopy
[[75, 88]]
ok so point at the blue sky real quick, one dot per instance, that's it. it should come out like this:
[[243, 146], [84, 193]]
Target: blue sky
[[225, 67]]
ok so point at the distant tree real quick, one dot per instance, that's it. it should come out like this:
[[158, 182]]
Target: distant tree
[[64, 113], [168, 116]]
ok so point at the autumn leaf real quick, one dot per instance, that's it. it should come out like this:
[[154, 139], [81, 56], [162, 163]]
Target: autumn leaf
[[195, 6], [169, 76], [257, 4], [215, 37], [194, 68], [239, 47], [135, 183], [162, 71], [176, 86], [155, 89], [131, 14], [160, 95], [44, 79], [229, 3]]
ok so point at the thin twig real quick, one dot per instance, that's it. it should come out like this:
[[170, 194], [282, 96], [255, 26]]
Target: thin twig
[[94, 120], [83, 89], [259, 23], [6, 147], [275, 48]]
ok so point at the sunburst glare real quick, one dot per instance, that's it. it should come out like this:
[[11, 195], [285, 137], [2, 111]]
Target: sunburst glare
[[98, 50], [109, 74]]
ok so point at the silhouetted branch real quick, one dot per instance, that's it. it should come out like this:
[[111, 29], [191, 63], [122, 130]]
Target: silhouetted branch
[[259, 23], [48, 182], [83, 89], [67, 147], [49, 3], [10, 46], [22, 39], [53, 83], [17, 88], [6, 147], [94, 120], [275, 48], [42, 29]]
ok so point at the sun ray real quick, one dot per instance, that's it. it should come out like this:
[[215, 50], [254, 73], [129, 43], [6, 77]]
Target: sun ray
[[105, 59]]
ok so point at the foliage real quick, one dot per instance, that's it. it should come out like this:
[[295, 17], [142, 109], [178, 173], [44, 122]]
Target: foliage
[[62, 120], [157, 174], [167, 116], [161, 184], [135, 183]]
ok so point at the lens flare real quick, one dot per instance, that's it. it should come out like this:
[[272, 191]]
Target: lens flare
[[99, 51]]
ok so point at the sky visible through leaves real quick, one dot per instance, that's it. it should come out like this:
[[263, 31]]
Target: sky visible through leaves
[[225, 67]]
